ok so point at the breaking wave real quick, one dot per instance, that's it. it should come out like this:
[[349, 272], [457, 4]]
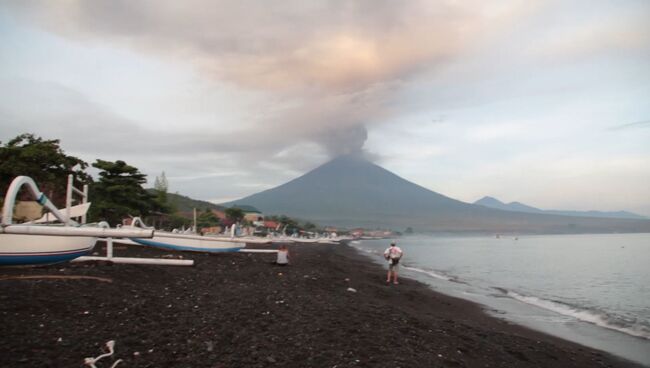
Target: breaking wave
[[430, 273], [598, 318], [435, 275]]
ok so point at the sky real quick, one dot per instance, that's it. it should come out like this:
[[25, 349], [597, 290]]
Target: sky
[[541, 102]]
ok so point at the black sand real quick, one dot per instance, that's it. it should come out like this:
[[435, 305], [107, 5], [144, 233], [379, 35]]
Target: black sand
[[239, 310]]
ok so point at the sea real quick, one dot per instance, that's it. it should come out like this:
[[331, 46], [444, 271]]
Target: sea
[[593, 289]]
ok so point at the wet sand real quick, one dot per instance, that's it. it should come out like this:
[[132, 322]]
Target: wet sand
[[240, 310]]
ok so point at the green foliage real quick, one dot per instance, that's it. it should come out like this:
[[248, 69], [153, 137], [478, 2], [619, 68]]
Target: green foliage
[[185, 204], [207, 219], [309, 226], [235, 214], [292, 225], [284, 220], [247, 208], [161, 183], [119, 193], [160, 187], [177, 222], [42, 160]]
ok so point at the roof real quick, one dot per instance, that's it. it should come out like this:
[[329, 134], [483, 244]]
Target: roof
[[271, 224]]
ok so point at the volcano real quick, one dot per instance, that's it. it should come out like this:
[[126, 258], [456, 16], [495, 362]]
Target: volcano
[[350, 191]]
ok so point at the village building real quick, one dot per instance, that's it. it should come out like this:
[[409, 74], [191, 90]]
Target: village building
[[253, 216], [272, 225]]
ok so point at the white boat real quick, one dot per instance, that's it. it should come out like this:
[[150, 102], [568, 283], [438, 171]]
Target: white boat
[[188, 241], [17, 249], [29, 244], [247, 239]]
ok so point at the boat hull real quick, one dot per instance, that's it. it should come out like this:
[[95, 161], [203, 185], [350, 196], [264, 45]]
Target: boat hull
[[21, 249], [190, 243]]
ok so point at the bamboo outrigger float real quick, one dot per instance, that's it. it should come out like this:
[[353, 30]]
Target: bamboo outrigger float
[[32, 244]]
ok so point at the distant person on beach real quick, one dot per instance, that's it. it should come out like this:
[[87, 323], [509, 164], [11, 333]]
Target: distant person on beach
[[283, 256], [393, 254]]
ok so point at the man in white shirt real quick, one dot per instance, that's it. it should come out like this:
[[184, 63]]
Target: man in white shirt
[[393, 254]]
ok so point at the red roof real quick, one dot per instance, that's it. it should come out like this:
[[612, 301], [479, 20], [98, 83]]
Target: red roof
[[271, 224]]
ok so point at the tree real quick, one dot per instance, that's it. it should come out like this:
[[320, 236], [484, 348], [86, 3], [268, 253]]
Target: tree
[[176, 221], [234, 214], [287, 224], [161, 186], [309, 226], [42, 160], [119, 193], [207, 219], [161, 183]]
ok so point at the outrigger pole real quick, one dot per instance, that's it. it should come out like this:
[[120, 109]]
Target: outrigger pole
[[70, 228]]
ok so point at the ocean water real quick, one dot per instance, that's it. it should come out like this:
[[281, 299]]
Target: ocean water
[[592, 289]]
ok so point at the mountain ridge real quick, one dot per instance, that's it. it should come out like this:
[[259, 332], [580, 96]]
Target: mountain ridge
[[350, 191], [186, 204], [492, 202]]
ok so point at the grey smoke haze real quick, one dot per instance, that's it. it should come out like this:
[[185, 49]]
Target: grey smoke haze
[[349, 140]]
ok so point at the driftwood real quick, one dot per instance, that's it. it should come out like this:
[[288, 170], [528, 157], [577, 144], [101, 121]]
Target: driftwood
[[55, 277]]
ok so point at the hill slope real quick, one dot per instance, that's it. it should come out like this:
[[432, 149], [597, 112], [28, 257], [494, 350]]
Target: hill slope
[[186, 204], [351, 191]]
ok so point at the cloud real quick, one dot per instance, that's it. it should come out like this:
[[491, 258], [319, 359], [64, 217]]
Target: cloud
[[344, 45], [500, 131], [196, 161], [263, 92], [84, 126], [337, 66], [636, 125], [625, 31]]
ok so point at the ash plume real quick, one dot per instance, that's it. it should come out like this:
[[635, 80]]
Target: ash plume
[[336, 66]]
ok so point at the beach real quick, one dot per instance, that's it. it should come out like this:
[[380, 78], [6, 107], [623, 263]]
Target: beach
[[329, 308]]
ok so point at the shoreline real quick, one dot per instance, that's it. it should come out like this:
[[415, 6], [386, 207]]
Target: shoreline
[[539, 313], [240, 310]]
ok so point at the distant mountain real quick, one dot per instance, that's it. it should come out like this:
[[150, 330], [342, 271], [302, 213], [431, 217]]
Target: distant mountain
[[492, 202], [351, 191]]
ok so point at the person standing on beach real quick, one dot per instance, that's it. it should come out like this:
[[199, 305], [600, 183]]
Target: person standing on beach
[[283, 256], [393, 254]]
